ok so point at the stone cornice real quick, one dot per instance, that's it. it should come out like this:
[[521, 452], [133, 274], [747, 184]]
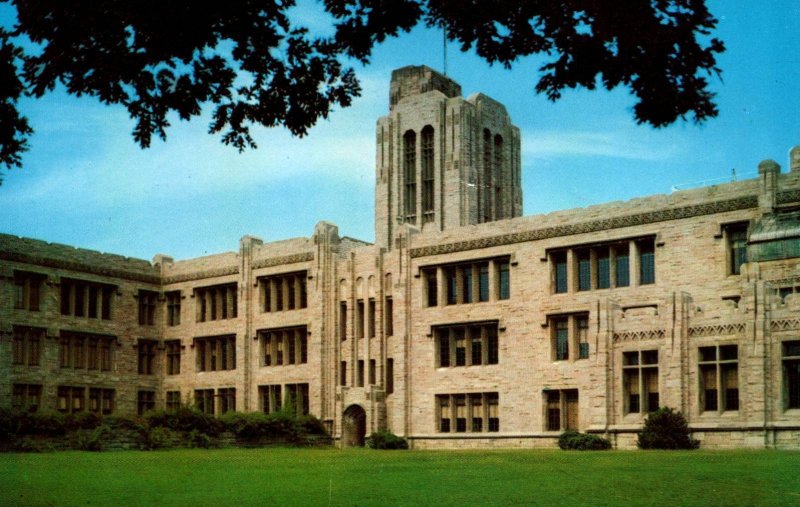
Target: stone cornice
[[716, 329], [286, 259], [79, 266], [788, 196], [200, 275], [648, 217], [645, 334]]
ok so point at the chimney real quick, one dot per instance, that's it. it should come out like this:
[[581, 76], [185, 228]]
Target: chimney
[[794, 159]]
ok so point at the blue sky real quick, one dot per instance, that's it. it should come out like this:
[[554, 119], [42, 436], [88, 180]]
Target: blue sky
[[85, 183]]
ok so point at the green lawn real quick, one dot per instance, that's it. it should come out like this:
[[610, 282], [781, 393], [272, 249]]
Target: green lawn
[[364, 477]]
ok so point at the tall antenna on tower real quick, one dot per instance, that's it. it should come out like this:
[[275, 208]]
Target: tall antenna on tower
[[444, 46]]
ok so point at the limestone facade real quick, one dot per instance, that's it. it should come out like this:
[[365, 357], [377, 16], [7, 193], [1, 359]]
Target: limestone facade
[[464, 325]]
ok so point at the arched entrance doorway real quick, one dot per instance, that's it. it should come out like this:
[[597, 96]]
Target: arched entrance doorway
[[354, 426]]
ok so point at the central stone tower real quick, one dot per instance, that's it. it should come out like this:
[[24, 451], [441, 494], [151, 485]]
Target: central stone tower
[[443, 161]]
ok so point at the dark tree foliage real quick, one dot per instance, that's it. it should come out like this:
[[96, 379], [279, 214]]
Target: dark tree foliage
[[256, 65], [666, 429]]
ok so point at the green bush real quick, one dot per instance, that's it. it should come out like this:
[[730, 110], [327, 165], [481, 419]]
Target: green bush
[[185, 419], [46, 423], [384, 439], [310, 425], [575, 441], [197, 438], [91, 439], [666, 429], [31, 444], [161, 438]]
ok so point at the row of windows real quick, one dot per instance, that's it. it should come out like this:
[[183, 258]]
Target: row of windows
[[466, 345], [603, 266], [468, 282], [371, 374], [215, 353], [474, 412], [216, 303], [284, 346], [410, 175], [283, 292], [490, 198], [367, 310], [85, 351], [274, 398], [211, 403], [86, 299]]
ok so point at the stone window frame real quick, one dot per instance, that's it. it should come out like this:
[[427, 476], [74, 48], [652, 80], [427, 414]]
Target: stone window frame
[[790, 369], [410, 177], [297, 393], [102, 400], [172, 401], [86, 299], [145, 401], [215, 353], [28, 287], [569, 335], [204, 401], [470, 281], [484, 333], [734, 235], [427, 173], [27, 345], [283, 346], [456, 413], [76, 351], [216, 302], [173, 299], [146, 356], [26, 397], [172, 355], [718, 360], [270, 398], [557, 405], [282, 292], [227, 400], [638, 364], [146, 302], [603, 265], [70, 399]]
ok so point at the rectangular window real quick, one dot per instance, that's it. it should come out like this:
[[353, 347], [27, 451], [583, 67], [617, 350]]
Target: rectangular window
[[622, 266], [215, 353], [217, 302], [204, 400], [372, 368], [584, 271], [360, 318], [561, 409], [719, 385], [451, 281], [737, 247], [86, 299], [647, 262], [173, 401], [388, 316], [431, 294], [101, 401], [466, 345], [173, 349], [791, 374], [343, 373], [27, 345], [371, 318], [283, 292], [284, 346], [389, 376], [27, 290], [147, 356], [470, 413], [147, 307], [560, 272], [227, 399], [81, 350], [603, 278], [483, 282], [271, 400], [569, 336], [71, 399], [360, 373], [343, 321], [504, 279], [297, 397], [145, 402], [26, 397], [173, 308], [467, 285], [640, 381]]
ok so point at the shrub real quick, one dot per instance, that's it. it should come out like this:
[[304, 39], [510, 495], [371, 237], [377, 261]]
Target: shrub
[[46, 423], [185, 419], [161, 438], [573, 440], [31, 444], [310, 425], [197, 438], [384, 439], [666, 429], [91, 439]]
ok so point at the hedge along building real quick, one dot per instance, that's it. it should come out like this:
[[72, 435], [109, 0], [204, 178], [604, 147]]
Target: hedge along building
[[464, 325]]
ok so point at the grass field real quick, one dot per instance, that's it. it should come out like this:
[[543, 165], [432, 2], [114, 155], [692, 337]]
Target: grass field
[[363, 477]]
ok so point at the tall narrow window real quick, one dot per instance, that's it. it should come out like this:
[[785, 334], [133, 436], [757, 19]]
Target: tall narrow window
[[640, 381], [173, 356], [584, 270], [603, 268], [562, 339], [27, 290], [173, 308], [389, 375], [791, 374], [343, 321], [560, 272], [410, 172], [622, 266], [426, 149], [504, 280], [737, 247], [483, 282], [147, 307], [147, 355], [360, 373], [719, 383], [487, 176], [561, 410], [388, 316], [27, 345], [647, 262], [498, 177], [430, 287], [145, 401]]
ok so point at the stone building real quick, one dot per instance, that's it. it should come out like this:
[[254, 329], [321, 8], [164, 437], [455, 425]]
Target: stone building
[[464, 325]]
